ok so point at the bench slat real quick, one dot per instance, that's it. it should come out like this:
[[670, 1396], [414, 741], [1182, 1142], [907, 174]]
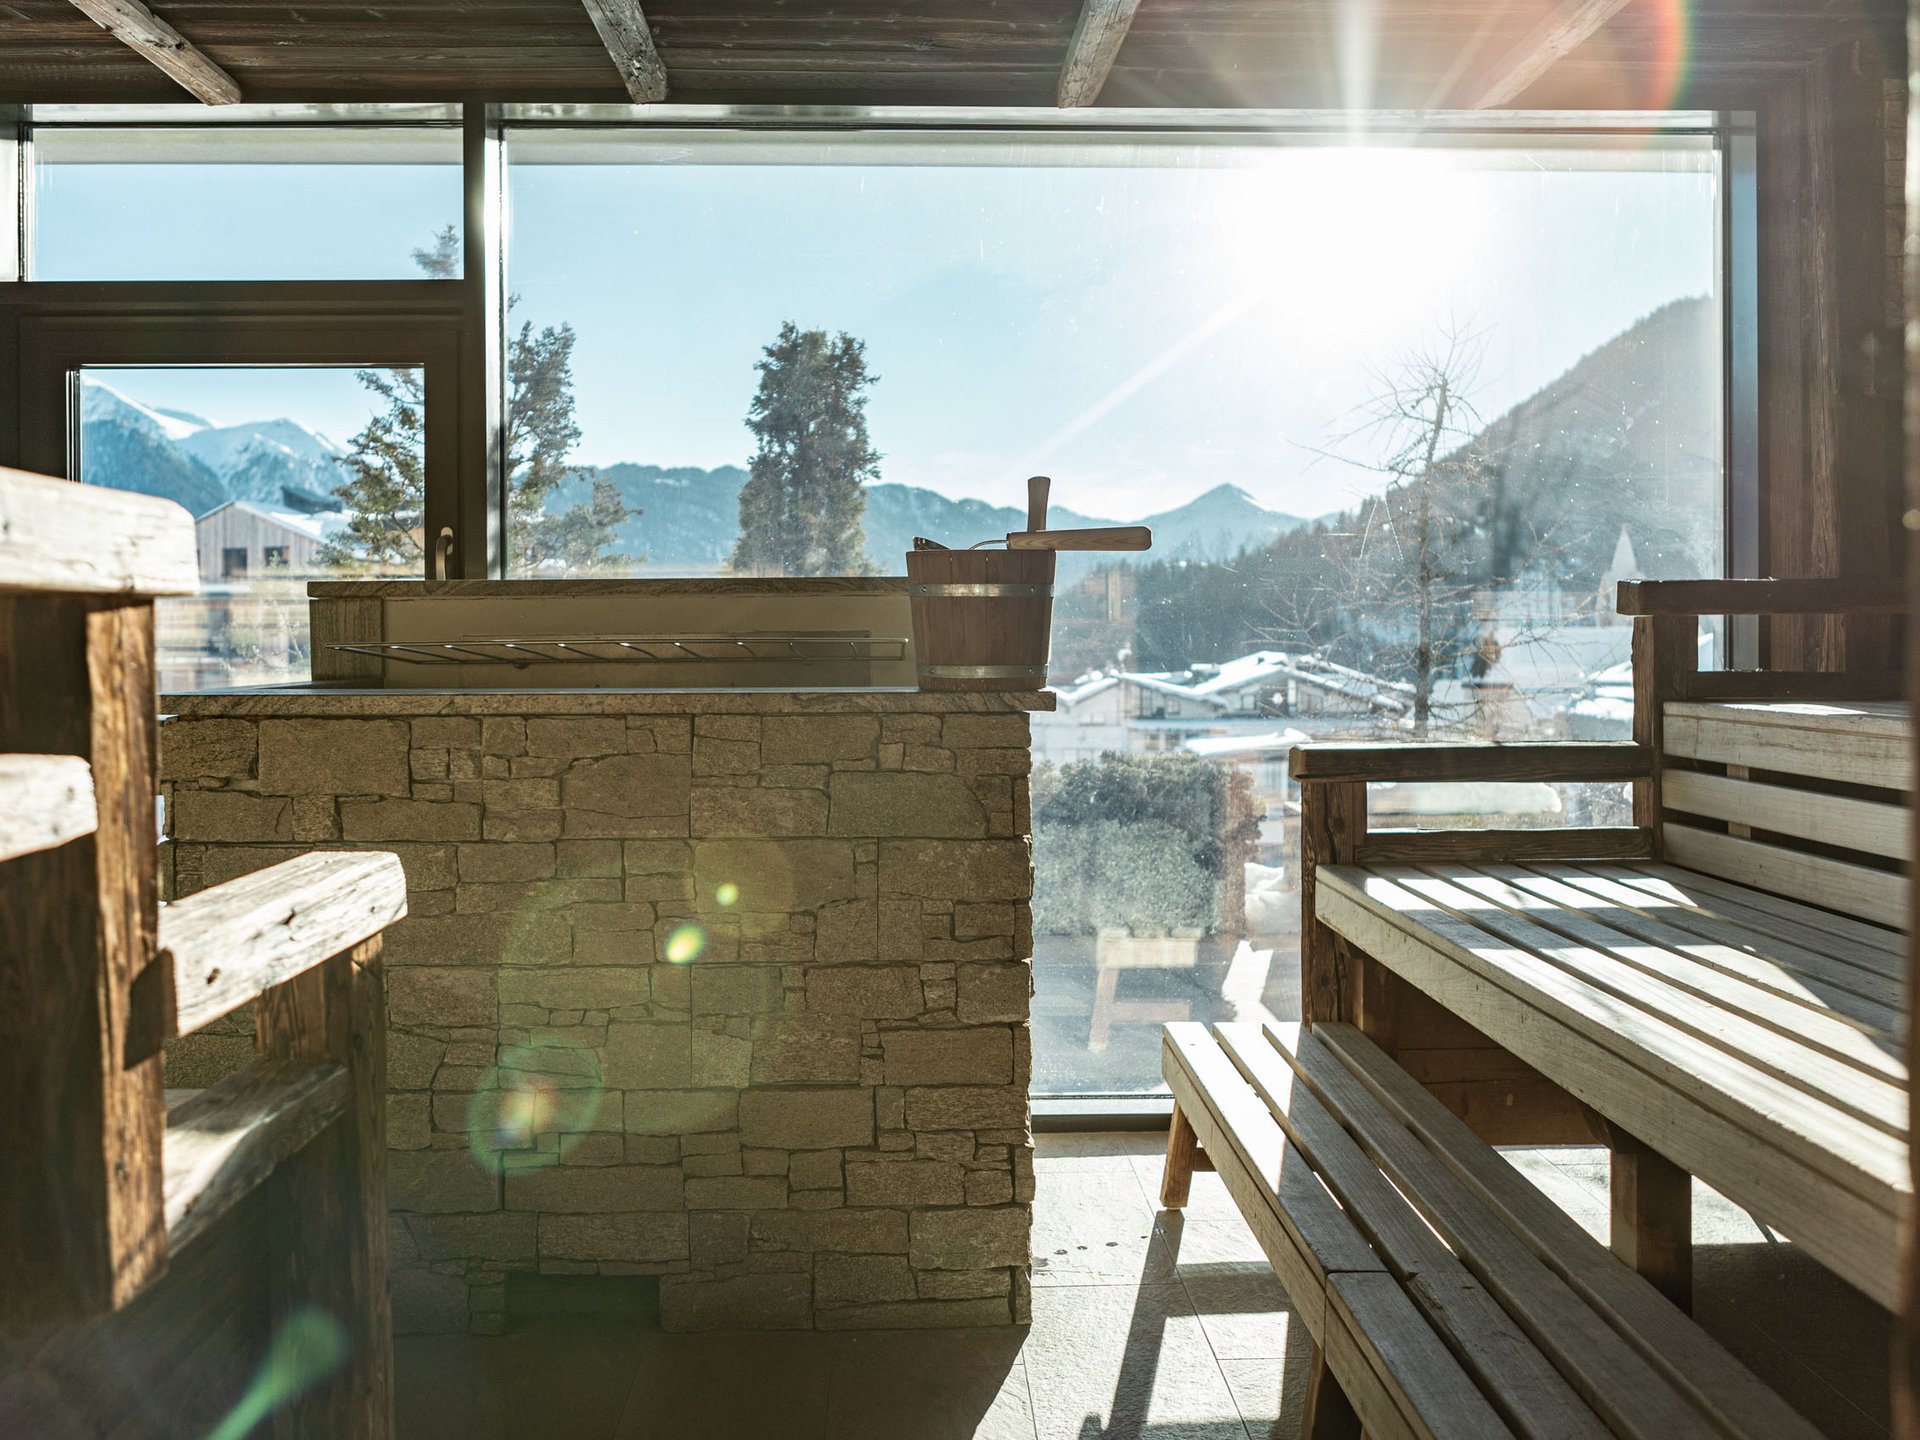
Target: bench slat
[[57, 537], [1875, 895], [1371, 1322], [1686, 1355], [1301, 1229], [1843, 938], [1792, 740], [1849, 1227], [1610, 1374], [1865, 995], [1837, 820], [1533, 1396], [1568, 913], [223, 1141], [1637, 998]]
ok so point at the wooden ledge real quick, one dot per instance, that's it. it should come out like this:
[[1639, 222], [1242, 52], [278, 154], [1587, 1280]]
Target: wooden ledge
[[1566, 762], [1864, 595], [236, 940]]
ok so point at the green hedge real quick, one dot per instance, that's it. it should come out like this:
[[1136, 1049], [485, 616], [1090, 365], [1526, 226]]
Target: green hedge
[[1142, 843]]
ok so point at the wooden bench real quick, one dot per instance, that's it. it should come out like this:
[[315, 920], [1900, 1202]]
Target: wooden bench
[[200, 1267], [1717, 990], [1447, 1298]]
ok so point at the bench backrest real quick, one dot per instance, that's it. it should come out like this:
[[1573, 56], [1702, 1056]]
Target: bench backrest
[[1793, 783]]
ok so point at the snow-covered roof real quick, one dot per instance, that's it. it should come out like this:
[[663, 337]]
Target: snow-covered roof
[[318, 527], [1084, 688], [1251, 669], [1250, 747]]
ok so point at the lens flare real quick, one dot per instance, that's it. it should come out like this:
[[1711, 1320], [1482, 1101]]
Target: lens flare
[[685, 943], [728, 894], [536, 1103], [309, 1347]]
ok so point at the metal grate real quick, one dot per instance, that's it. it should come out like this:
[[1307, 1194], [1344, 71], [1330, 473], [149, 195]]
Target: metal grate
[[812, 646]]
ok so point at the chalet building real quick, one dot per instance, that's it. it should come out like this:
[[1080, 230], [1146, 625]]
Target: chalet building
[[240, 542]]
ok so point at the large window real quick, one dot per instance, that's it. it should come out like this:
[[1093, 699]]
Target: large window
[[1401, 408], [1399, 413]]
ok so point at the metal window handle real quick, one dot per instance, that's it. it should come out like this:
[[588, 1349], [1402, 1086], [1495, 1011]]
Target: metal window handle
[[442, 551]]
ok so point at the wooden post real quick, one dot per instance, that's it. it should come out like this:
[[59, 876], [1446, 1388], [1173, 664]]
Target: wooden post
[[1666, 650], [1652, 1227], [1329, 1414], [1333, 821], [81, 1220], [327, 1205], [1176, 1182]]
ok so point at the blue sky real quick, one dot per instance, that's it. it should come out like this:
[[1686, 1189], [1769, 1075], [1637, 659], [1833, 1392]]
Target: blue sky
[[1140, 331]]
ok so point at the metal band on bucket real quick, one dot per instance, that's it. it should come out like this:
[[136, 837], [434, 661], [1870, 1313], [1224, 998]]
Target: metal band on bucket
[[984, 672], [979, 591]]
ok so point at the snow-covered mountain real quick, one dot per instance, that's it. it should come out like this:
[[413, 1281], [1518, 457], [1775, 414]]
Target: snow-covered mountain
[[687, 520], [202, 465]]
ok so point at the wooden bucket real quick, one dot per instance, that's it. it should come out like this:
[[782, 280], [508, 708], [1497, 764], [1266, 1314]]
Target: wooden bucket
[[982, 619]]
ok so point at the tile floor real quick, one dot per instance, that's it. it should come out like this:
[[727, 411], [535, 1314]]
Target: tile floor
[[1147, 1325]]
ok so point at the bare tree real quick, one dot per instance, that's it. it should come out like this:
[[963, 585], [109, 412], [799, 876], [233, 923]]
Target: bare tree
[[1394, 589]]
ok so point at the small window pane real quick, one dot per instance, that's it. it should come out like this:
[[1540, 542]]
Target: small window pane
[[291, 474], [281, 202]]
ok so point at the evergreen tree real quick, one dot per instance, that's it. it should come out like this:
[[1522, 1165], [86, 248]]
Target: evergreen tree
[[385, 493], [801, 508]]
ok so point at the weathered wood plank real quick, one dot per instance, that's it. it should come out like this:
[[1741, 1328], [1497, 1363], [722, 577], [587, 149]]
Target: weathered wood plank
[[623, 28], [234, 941], [1838, 820], [171, 52], [81, 1228], [1559, 32], [225, 1141], [1566, 762], [45, 800], [1096, 43], [56, 536], [1874, 895]]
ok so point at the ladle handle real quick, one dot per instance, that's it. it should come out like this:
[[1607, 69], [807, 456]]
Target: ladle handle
[[1037, 488], [1108, 537]]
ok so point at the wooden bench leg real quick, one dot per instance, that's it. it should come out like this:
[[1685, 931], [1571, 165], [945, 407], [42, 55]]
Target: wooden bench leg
[[1653, 1217], [1328, 1415], [1177, 1180]]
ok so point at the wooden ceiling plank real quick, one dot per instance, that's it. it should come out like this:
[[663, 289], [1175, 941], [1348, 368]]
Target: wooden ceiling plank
[[623, 30], [1559, 32], [1095, 45], [147, 34]]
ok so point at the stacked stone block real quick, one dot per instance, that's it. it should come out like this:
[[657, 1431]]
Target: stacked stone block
[[732, 993]]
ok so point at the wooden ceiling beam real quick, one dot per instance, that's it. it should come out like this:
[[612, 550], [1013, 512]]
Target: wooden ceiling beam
[[1565, 28], [147, 34], [623, 30], [1093, 49]]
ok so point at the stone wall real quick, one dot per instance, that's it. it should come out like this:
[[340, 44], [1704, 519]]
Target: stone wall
[[728, 989]]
